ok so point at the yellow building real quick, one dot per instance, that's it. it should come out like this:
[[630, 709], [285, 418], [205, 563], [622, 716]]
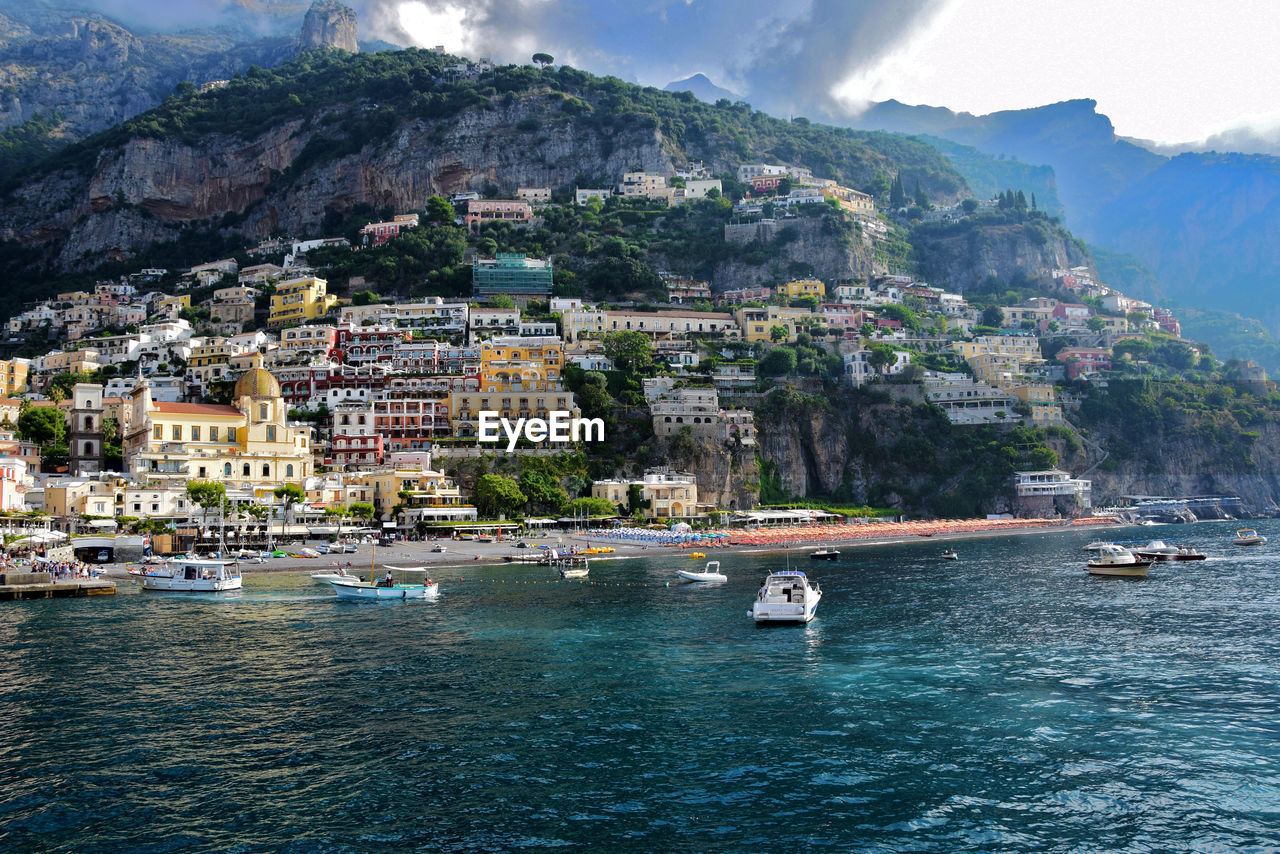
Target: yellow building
[[670, 495], [171, 305], [757, 322], [249, 446], [520, 364], [299, 300], [804, 288], [423, 496], [210, 361], [13, 376]]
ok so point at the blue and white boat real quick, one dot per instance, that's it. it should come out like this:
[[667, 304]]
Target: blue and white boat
[[786, 597], [387, 589]]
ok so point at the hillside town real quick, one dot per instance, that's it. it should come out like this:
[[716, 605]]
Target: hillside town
[[270, 381]]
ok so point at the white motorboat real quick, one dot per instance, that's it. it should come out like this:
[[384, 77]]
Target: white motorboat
[[711, 572], [388, 588], [1096, 545], [1156, 550], [949, 554], [1118, 561], [191, 576], [1249, 537], [786, 597], [575, 571], [324, 576], [825, 554]]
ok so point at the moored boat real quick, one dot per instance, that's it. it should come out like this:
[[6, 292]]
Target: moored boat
[[825, 554], [575, 570], [949, 554], [711, 572], [1156, 550], [340, 573], [786, 597], [387, 588], [191, 576], [1118, 561], [1249, 537]]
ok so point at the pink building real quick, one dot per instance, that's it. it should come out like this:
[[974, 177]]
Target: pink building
[[508, 210], [1083, 359], [378, 233]]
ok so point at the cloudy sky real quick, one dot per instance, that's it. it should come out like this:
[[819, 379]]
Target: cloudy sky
[[1166, 70], [1172, 71]]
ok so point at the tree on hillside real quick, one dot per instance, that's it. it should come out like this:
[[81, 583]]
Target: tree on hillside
[[629, 351], [897, 193], [881, 358], [439, 210], [992, 316], [43, 425], [543, 59], [496, 495]]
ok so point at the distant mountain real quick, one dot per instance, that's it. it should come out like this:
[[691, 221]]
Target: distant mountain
[[1203, 224], [702, 88], [990, 174]]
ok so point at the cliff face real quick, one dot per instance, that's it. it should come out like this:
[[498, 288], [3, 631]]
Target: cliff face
[[329, 24], [961, 256], [728, 475], [832, 257]]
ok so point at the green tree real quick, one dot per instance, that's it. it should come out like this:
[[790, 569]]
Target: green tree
[[208, 494], [439, 211], [992, 316], [289, 494], [881, 358], [780, 361], [43, 425], [591, 507], [629, 351], [497, 495], [777, 333], [636, 502], [365, 298], [1096, 324], [543, 59], [363, 510], [897, 193], [542, 492], [502, 301]]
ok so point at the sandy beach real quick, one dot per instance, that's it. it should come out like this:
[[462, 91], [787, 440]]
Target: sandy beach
[[463, 554]]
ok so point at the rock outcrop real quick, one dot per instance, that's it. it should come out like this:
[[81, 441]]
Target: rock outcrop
[[329, 23]]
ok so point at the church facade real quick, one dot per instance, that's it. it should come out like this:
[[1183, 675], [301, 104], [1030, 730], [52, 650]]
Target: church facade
[[249, 446]]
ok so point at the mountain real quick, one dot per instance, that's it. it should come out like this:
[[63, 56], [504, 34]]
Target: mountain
[[300, 148], [989, 174], [1198, 221], [67, 72], [702, 88]]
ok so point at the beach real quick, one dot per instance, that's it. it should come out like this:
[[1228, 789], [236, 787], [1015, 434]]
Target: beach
[[461, 554]]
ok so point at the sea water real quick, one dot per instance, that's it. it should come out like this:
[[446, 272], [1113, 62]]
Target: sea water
[[1003, 702]]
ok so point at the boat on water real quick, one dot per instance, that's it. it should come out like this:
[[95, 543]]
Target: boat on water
[[1118, 561], [696, 555], [388, 588], [191, 576], [528, 558], [825, 554], [1096, 545], [1249, 537], [575, 570], [710, 572], [1156, 550], [949, 554], [786, 596], [1188, 554], [324, 576]]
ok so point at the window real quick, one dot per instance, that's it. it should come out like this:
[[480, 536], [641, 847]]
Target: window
[[158, 432], [266, 470], [213, 436], [288, 470], [226, 469], [271, 433], [262, 412], [195, 434], [246, 470], [177, 432]]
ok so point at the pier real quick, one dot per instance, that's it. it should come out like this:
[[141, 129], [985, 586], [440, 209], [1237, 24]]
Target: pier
[[40, 585]]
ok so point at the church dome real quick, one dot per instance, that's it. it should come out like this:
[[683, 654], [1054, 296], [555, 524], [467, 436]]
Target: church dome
[[257, 382]]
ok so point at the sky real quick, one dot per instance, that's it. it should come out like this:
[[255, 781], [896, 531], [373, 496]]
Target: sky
[[1171, 71]]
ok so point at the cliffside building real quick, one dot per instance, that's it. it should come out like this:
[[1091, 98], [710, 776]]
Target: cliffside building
[[513, 274]]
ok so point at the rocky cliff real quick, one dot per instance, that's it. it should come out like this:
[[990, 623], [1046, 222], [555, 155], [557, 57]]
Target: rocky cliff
[[328, 147], [728, 475], [329, 23], [815, 247], [960, 256]]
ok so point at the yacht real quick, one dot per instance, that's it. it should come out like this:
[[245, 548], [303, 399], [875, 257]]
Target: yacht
[[1249, 537], [825, 554], [786, 597], [1118, 561], [711, 572], [191, 576]]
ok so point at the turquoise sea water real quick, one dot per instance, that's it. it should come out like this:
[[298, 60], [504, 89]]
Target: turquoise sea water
[[1005, 702]]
